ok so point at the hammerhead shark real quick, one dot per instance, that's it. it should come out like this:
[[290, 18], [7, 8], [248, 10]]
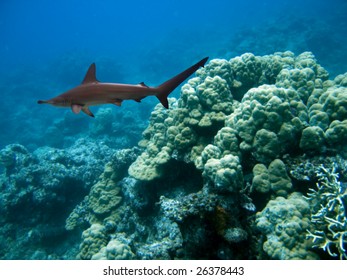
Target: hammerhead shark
[[92, 92]]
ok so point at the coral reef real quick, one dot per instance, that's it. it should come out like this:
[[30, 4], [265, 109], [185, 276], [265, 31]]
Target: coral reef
[[104, 196], [240, 128], [34, 185], [284, 222], [223, 174]]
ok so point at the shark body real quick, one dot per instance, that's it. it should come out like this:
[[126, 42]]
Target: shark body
[[92, 92]]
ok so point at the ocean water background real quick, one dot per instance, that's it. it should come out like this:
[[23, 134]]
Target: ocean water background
[[46, 48]]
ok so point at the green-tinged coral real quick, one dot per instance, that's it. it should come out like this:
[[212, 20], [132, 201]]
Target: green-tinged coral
[[105, 196], [247, 71], [269, 121], [327, 105], [211, 92], [306, 76], [93, 239], [209, 152], [312, 139], [273, 64], [274, 178], [336, 136], [226, 139], [329, 220], [225, 173], [284, 222], [199, 112], [302, 80], [260, 182], [217, 67], [115, 250], [225, 142], [147, 165], [280, 182], [341, 80], [334, 103], [328, 110], [145, 168]]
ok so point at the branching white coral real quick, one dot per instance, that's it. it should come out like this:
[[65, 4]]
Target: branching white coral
[[329, 214]]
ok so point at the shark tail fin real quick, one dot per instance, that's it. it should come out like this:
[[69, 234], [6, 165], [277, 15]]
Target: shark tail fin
[[166, 88]]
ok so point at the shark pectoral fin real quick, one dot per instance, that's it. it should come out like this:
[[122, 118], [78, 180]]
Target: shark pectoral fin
[[76, 108], [87, 111]]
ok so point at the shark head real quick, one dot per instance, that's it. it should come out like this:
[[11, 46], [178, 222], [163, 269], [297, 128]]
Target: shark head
[[58, 101]]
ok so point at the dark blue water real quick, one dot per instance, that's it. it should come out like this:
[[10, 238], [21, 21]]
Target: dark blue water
[[39, 30], [46, 46]]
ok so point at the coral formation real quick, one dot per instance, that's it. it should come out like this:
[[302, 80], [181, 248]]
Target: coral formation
[[251, 113], [274, 178], [284, 222], [34, 186], [269, 121], [329, 215], [104, 196], [115, 250], [225, 174], [93, 239]]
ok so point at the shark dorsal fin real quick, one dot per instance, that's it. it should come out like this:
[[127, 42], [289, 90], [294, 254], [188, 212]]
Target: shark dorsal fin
[[90, 76]]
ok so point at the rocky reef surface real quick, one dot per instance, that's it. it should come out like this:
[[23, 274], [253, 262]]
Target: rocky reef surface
[[38, 190], [249, 163]]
